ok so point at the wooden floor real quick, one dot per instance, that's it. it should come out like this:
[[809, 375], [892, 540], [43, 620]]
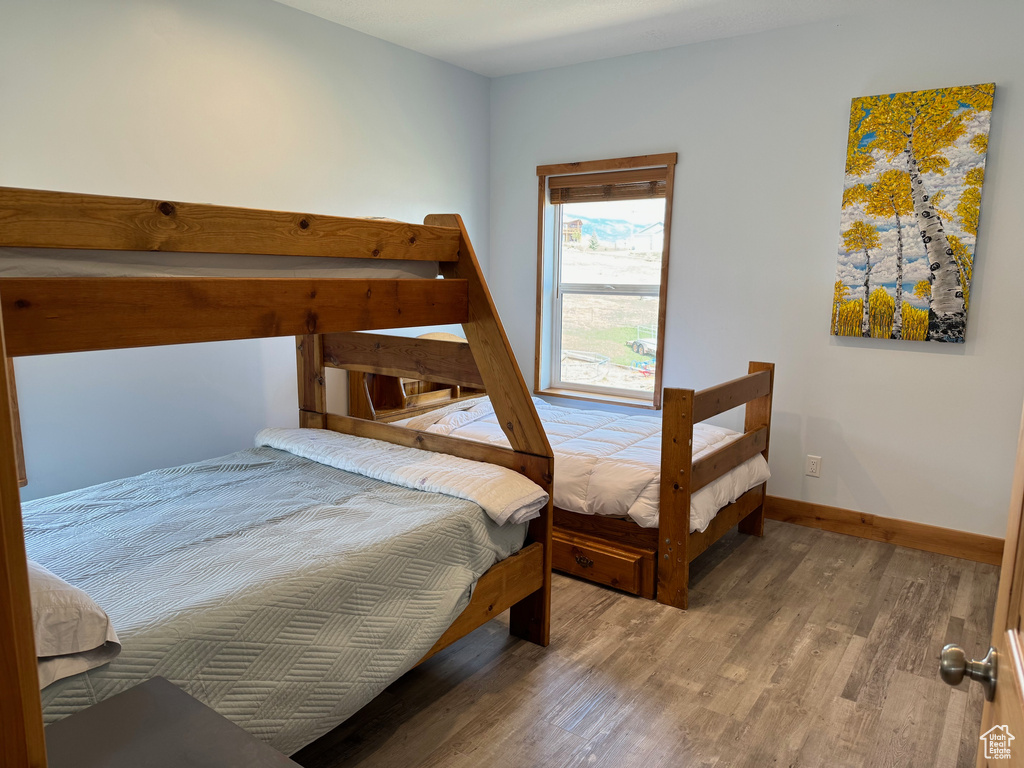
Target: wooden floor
[[804, 648]]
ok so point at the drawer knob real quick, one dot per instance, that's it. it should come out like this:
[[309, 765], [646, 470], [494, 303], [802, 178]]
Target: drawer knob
[[584, 562]]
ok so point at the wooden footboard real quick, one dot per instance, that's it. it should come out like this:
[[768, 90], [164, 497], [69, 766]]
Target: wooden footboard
[[681, 477]]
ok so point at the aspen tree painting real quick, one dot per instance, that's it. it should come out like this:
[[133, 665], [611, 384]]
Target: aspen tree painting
[[915, 163]]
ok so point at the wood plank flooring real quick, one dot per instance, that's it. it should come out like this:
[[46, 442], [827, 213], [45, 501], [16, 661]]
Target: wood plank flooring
[[804, 648]]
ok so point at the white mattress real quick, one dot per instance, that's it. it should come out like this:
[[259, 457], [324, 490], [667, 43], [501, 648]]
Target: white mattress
[[606, 463], [56, 262]]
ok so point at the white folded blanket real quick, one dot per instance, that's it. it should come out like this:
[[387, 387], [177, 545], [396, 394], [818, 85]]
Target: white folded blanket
[[505, 496], [605, 463]]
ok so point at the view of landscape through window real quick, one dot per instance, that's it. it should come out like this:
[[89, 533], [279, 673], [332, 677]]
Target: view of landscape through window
[[610, 273]]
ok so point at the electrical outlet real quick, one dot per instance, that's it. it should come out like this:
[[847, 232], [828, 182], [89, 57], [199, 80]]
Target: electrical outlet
[[813, 468]]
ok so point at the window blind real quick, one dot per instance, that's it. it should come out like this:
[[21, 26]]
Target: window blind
[[612, 185]]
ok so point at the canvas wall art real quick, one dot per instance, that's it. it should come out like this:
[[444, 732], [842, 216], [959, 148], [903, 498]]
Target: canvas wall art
[[915, 163]]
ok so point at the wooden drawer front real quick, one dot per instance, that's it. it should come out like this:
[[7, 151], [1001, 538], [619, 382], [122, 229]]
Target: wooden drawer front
[[625, 568]]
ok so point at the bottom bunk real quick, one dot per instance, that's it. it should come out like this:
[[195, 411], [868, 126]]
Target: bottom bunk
[[286, 585]]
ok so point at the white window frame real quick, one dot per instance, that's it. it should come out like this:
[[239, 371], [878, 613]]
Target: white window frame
[[550, 289]]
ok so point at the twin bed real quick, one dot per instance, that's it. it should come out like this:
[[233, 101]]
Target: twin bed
[[287, 584], [637, 497]]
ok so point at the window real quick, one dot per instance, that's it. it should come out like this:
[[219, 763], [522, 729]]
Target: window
[[603, 268]]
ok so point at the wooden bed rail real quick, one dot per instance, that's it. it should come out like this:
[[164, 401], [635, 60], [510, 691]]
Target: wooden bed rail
[[446, 362], [41, 219], [712, 401], [709, 468], [49, 315]]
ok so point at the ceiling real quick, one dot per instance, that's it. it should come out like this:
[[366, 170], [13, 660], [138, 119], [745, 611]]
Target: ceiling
[[503, 37]]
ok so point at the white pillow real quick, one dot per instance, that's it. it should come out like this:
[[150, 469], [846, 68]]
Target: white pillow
[[73, 634]]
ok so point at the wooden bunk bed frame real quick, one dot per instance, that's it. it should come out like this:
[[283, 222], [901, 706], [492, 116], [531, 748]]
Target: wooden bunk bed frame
[[649, 562], [55, 315]]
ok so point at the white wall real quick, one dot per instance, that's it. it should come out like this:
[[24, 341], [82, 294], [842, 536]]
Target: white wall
[[233, 102], [918, 431]]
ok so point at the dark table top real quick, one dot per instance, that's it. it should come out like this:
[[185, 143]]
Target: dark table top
[[155, 725]]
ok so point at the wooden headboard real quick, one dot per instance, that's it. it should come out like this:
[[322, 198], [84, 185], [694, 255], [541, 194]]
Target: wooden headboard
[[387, 398]]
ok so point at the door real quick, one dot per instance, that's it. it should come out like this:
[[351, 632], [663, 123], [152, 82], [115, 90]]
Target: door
[[1001, 740]]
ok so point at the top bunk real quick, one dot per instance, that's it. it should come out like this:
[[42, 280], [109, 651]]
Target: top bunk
[[134, 300], [86, 272]]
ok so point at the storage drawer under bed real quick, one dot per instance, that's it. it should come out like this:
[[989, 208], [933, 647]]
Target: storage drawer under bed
[[615, 565]]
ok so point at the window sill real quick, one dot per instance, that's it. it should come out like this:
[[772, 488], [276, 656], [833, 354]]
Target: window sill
[[592, 397]]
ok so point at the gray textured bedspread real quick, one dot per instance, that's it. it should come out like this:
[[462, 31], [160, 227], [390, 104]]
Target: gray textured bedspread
[[283, 593]]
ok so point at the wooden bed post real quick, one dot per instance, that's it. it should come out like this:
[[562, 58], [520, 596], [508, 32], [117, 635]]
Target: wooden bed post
[[758, 413], [674, 516], [19, 446], [22, 741], [309, 353], [504, 382]]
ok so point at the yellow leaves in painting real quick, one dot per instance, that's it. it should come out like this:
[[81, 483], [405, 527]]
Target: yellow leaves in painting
[[937, 200], [887, 118], [938, 123], [881, 307], [934, 163], [848, 316], [841, 292], [855, 194], [889, 195], [934, 120], [860, 236], [892, 190], [857, 162], [969, 209], [975, 177], [976, 96], [979, 143], [915, 322], [923, 289]]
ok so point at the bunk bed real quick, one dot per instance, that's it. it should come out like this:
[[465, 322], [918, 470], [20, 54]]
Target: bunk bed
[[49, 314], [650, 559]]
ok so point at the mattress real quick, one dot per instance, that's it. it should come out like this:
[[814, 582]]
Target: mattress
[[606, 463], [282, 592], [58, 262]]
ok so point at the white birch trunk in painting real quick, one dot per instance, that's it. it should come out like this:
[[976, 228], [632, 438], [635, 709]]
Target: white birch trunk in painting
[[897, 315], [865, 323], [946, 317]]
